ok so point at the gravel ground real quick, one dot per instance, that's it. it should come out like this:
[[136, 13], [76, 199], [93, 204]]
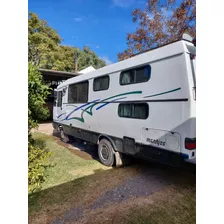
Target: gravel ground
[[151, 179]]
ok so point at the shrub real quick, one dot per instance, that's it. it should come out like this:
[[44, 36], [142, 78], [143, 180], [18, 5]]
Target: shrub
[[37, 94], [38, 161], [37, 154]]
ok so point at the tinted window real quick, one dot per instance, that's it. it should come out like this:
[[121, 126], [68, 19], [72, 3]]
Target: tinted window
[[135, 75], [59, 104], [133, 110], [101, 83], [78, 92], [55, 98]]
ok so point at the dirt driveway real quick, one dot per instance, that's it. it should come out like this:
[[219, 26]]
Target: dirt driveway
[[152, 192], [45, 128]]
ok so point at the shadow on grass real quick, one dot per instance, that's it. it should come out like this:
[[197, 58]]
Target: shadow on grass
[[89, 151], [80, 148], [68, 201]]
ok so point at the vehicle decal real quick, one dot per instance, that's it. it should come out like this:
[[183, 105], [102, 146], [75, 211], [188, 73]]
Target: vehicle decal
[[92, 104], [60, 115], [158, 94], [103, 105], [77, 108]]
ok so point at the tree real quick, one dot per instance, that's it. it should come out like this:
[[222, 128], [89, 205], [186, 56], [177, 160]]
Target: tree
[[46, 51], [37, 94], [38, 155], [43, 41], [160, 24]]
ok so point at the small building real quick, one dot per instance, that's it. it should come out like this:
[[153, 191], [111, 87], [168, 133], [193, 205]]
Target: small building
[[54, 78]]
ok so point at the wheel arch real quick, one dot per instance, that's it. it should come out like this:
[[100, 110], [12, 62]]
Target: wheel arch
[[102, 136]]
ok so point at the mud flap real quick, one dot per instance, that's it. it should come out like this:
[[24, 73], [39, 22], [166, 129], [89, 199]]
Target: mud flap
[[118, 159]]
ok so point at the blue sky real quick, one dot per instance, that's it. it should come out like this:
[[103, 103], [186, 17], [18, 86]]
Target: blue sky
[[100, 24]]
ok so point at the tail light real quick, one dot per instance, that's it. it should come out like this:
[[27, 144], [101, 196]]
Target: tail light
[[190, 143]]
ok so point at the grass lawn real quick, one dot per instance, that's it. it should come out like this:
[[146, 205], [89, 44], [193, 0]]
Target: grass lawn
[[77, 181], [66, 165]]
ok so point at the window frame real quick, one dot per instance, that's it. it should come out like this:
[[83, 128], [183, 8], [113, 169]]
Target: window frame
[[134, 70], [133, 104], [100, 78], [77, 83]]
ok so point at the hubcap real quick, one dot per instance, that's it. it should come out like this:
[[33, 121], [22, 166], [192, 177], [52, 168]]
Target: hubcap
[[105, 152]]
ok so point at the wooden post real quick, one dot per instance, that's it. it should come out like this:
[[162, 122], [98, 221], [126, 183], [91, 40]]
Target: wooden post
[[76, 61]]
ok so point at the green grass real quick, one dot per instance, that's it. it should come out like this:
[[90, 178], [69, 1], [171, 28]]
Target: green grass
[[66, 166], [73, 181]]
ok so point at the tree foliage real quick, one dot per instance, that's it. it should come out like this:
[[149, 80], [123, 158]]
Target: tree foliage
[[160, 23], [37, 94], [37, 154], [46, 51]]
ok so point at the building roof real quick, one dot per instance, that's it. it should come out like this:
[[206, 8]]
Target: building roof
[[86, 70], [52, 75]]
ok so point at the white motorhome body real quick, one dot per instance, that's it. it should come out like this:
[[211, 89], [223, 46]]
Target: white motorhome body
[[143, 106]]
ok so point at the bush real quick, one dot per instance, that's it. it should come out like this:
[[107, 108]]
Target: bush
[[37, 94], [37, 154], [38, 162]]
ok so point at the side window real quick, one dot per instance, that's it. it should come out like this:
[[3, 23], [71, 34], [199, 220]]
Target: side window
[[133, 110], [59, 104], [135, 75], [78, 92], [55, 98], [101, 83]]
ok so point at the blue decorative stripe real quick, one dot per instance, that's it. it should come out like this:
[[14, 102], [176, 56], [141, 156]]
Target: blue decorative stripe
[[60, 115], [80, 108], [110, 102], [158, 94]]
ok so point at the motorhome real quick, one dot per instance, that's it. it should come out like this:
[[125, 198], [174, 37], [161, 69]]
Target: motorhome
[[144, 106]]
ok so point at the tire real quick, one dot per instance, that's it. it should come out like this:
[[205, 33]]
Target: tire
[[64, 137], [106, 152]]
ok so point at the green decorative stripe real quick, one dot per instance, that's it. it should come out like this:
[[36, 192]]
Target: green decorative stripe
[[77, 118], [158, 94], [90, 108]]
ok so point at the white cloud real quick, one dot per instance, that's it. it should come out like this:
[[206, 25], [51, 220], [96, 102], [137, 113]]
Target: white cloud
[[123, 3], [78, 19], [106, 59], [97, 46]]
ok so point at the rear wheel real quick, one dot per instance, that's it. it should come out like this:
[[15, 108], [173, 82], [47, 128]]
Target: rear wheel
[[106, 152]]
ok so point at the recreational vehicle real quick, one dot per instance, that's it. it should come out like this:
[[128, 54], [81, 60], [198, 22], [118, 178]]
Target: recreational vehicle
[[144, 106]]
